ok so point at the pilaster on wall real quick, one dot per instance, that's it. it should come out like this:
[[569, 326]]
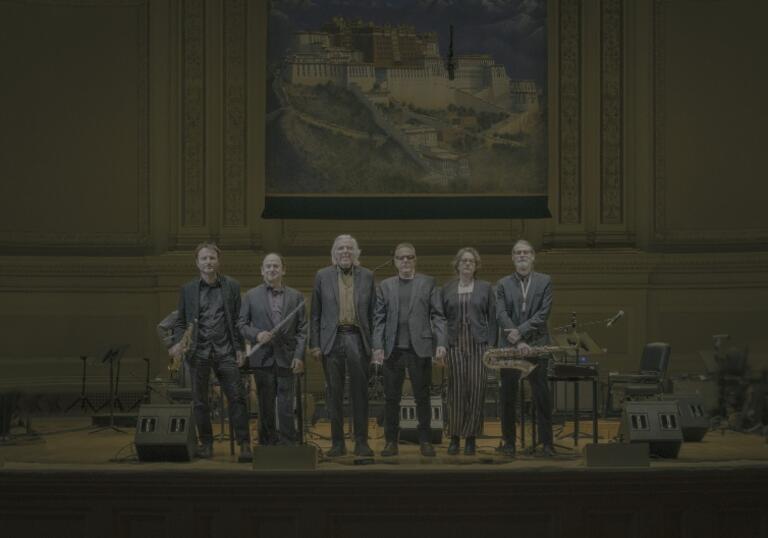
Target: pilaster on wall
[[587, 176], [214, 187]]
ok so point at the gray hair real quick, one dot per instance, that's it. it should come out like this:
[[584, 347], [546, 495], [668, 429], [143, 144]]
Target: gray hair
[[355, 248], [523, 242]]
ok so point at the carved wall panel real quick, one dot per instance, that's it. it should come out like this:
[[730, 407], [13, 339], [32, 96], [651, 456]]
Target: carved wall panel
[[611, 112], [570, 111], [235, 105]]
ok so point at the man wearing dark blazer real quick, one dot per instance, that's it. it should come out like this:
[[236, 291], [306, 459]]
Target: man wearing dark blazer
[[210, 305], [409, 326], [273, 321], [523, 304], [340, 335]]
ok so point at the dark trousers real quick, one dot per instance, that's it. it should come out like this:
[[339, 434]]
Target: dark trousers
[[347, 356], [275, 383], [420, 373], [542, 402], [228, 374]]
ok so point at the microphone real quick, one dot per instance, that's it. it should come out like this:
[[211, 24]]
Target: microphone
[[614, 319]]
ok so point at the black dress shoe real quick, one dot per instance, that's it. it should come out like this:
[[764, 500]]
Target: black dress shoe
[[390, 449], [508, 449], [336, 451], [469, 446], [362, 449], [548, 451], [453, 447], [204, 451], [246, 456], [427, 450]]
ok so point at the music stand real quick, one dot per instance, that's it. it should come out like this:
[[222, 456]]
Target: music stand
[[582, 346], [82, 399], [112, 355]]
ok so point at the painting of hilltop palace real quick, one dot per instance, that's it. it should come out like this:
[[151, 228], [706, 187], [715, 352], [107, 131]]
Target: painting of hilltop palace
[[406, 97]]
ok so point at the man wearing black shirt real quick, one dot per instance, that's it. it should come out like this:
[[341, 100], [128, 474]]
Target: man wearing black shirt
[[409, 327], [211, 303]]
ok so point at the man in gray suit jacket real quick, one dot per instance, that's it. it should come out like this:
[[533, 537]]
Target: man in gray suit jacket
[[408, 324], [210, 304], [277, 352], [523, 303], [340, 334]]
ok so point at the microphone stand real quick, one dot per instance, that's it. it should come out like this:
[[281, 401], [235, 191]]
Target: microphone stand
[[83, 399]]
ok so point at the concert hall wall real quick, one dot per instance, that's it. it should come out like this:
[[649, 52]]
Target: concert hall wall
[[132, 130]]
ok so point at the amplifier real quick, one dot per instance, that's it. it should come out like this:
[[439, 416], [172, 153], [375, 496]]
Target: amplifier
[[165, 432]]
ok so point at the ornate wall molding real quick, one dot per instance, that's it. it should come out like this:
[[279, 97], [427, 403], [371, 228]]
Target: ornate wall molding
[[611, 107], [192, 194], [235, 109], [570, 111]]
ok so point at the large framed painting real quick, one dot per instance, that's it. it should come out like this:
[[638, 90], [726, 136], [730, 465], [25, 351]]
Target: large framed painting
[[406, 109]]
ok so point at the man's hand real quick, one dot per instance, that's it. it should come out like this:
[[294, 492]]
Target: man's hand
[[297, 365], [378, 357], [316, 353], [174, 350], [240, 358], [263, 337], [440, 354], [513, 335]]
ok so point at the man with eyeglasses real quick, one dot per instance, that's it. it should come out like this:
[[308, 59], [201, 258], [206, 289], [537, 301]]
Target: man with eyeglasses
[[523, 304], [409, 327]]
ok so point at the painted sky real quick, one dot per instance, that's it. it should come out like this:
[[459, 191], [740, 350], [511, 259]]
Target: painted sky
[[512, 31]]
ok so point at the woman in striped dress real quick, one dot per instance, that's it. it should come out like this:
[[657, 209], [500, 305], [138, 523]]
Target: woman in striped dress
[[470, 311]]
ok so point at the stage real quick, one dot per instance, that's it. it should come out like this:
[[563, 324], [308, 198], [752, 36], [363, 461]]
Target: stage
[[66, 481]]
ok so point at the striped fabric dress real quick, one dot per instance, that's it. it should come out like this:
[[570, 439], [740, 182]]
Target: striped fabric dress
[[467, 378]]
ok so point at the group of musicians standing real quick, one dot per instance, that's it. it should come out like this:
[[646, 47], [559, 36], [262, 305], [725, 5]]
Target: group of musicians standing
[[405, 322]]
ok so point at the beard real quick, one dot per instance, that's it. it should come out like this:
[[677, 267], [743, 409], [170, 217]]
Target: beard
[[523, 266]]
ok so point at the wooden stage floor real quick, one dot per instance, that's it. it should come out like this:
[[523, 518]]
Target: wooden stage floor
[[69, 482], [66, 442]]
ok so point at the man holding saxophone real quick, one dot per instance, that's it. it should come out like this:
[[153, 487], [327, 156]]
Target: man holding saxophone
[[523, 304]]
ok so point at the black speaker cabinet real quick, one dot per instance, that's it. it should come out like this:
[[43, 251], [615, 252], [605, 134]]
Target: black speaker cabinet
[[694, 419], [409, 421], [654, 422], [165, 432]]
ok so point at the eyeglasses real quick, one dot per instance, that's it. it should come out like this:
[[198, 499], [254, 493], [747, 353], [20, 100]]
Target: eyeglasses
[[407, 257]]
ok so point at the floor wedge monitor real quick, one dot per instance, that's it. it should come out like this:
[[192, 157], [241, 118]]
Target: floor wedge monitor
[[654, 422], [165, 432]]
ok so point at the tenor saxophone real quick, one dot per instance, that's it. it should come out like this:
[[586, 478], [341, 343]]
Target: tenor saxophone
[[186, 340], [511, 357]]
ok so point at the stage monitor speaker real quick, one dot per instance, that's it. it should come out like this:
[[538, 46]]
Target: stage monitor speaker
[[654, 422], [694, 419], [285, 458], [165, 432], [409, 420], [617, 455]]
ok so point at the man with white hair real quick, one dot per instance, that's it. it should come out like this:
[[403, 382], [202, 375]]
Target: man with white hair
[[523, 303], [340, 335]]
